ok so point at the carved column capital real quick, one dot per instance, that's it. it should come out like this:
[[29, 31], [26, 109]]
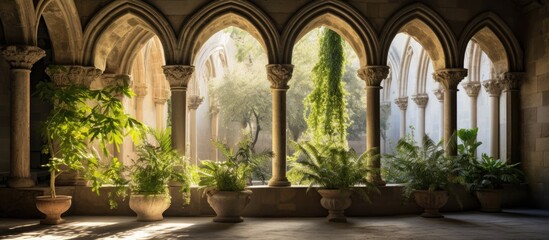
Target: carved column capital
[[450, 77], [140, 90], [162, 96], [22, 57], [439, 93], [194, 101], [110, 79], [279, 75], [373, 75], [472, 88], [511, 80], [65, 75], [402, 103], [493, 87], [214, 109], [178, 76], [421, 100]]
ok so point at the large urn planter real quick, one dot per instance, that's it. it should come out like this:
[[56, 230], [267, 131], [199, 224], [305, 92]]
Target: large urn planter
[[53, 208], [490, 199], [431, 201], [149, 207], [335, 201], [228, 205]]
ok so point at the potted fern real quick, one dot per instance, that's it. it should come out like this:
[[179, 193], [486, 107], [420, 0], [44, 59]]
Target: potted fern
[[71, 127], [335, 170], [425, 172], [224, 182]]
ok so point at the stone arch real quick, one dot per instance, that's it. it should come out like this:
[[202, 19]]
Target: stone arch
[[221, 14], [19, 17], [494, 38], [63, 24], [339, 17], [405, 69], [119, 18], [421, 83], [429, 29]]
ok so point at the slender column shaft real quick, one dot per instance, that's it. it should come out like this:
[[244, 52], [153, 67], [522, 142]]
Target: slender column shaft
[[139, 108], [159, 106], [421, 100], [493, 88], [472, 88], [473, 112], [214, 126], [402, 104], [439, 94], [193, 153], [511, 83]]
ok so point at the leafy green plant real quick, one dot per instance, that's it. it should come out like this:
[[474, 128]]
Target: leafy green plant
[[73, 125], [331, 166], [490, 173], [419, 167]]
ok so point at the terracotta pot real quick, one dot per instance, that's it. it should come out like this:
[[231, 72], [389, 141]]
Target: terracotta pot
[[149, 207], [228, 205], [490, 199], [336, 201], [431, 202], [53, 208]]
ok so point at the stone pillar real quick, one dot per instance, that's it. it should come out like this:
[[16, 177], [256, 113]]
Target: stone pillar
[[194, 103], [159, 102], [402, 103], [21, 59], [511, 84], [472, 89], [373, 75], [439, 93], [493, 87], [178, 76], [214, 127], [279, 75], [140, 93], [63, 76], [449, 78], [421, 100]]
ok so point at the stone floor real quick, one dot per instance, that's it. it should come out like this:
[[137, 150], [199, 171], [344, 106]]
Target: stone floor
[[511, 224]]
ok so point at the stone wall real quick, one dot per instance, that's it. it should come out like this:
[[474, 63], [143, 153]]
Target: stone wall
[[535, 106]]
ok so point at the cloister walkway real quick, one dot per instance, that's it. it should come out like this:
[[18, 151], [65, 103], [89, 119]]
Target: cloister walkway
[[511, 224]]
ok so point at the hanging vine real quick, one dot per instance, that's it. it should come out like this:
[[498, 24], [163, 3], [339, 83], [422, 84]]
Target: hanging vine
[[326, 113]]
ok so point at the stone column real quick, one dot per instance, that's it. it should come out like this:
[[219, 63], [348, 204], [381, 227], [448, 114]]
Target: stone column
[[449, 78], [402, 103], [140, 93], [511, 84], [159, 102], [63, 76], [439, 93], [178, 76], [421, 100], [194, 103], [373, 75], [21, 59], [472, 89], [214, 126], [493, 87], [279, 75]]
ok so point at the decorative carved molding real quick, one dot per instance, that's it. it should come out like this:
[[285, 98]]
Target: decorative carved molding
[[279, 75], [194, 101], [373, 75], [22, 57], [109, 79], [472, 88], [402, 103], [450, 77], [162, 96], [65, 75], [493, 87], [511, 80], [439, 93], [178, 76], [421, 100], [140, 90]]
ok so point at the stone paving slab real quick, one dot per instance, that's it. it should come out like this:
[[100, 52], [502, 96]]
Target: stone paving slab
[[511, 224]]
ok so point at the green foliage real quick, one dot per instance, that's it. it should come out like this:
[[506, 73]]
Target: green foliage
[[234, 173], [326, 105], [332, 166], [419, 167], [74, 125]]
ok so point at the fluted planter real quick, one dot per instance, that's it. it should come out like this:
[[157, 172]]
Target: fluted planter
[[228, 205], [149, 207], [336, 201], [431, 202], [490, 199], [53, 208]]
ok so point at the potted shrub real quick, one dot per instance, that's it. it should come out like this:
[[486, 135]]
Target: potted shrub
[[224, 182], [157, 165], [72, 126], [425, 172], [335, 170]]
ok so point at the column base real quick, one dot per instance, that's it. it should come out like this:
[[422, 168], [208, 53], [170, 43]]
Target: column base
[[16, 182], [377, 180], [279, 182]]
